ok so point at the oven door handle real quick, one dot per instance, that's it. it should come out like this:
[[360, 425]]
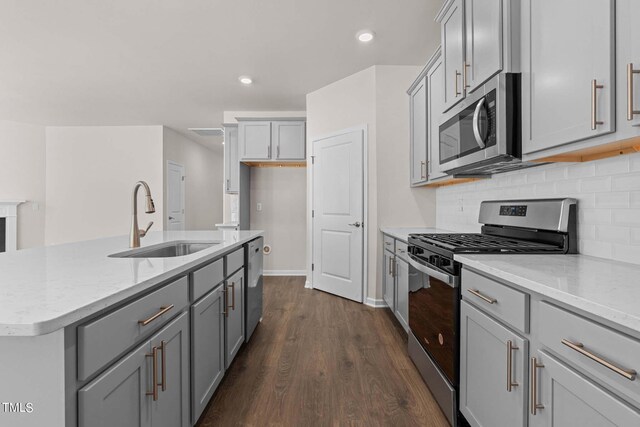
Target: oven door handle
[[476, 125], [446, 278]]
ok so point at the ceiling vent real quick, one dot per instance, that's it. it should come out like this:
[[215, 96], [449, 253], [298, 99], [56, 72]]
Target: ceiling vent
[[208, 131]]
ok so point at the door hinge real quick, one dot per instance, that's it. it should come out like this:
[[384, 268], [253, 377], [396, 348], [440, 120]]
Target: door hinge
[[313, 160], [312, 267], [183, 177], [313, 214]]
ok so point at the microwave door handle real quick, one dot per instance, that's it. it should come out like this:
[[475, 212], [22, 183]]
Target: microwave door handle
[[448, 279], [476, 124]]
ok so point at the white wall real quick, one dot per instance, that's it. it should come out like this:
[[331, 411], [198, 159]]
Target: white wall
[[375, 97], [283, 194], [90, 175], [204, 173], [22, 177], [608, 193]]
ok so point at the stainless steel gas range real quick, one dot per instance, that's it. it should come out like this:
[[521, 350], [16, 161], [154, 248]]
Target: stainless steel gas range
[[545, 226]]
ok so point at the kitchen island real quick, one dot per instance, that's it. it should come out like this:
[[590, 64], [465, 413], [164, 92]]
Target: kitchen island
[[73, 319]]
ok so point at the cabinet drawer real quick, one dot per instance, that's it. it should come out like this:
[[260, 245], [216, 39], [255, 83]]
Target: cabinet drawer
[[207, 278], [389, 242], [235, 260], [503, 302], [401, 249], [592, 347], [102, 340]]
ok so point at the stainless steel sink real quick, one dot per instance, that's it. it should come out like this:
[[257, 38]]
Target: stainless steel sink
[[167, 250]]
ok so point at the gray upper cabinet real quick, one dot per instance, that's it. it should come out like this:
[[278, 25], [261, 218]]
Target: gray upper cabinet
[[435, 100], [483, 41], [289, 140], [254, 139], [491, 358], [234, 329], [418, 131], [568, 75], [389, 288], [172, 407], [207, 349], [401, 271], [231, 160], [118, 396], [452, 35], [565, 398], [628, 68]]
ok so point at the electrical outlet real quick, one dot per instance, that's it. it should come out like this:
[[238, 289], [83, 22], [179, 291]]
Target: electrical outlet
[[259, 207]]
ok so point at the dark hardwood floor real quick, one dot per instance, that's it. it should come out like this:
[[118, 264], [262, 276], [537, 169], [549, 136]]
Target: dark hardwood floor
[[320, 360]]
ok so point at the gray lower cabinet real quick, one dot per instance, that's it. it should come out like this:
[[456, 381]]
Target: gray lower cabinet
[[388, 283], [401, 271], [207, 349], [124, 394], [234, 320], [566, 398], [493, 371]]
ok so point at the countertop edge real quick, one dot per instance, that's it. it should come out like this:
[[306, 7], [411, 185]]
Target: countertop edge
[[44, 327]]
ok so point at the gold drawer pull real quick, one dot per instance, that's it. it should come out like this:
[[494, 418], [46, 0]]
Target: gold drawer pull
[[534, 386], [594, 107], [629, 374], [233, 295], [162, 311], [482, 297], [510, 382], [630, 110], [154, 378]]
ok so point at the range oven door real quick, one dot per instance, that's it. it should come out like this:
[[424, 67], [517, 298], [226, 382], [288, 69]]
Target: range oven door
[[434, 304]]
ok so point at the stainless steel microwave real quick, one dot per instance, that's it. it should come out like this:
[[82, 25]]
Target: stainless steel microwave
[[482, 134]]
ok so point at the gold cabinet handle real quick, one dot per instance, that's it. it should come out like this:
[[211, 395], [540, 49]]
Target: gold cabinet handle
[[534, 386], [464, 75], [422, 167], [482, 297], [163, 364], [630, 72], [629, 374], [162, 311], [458, 93], [510, 382], [154, 376], [594, 113], [233, 295]]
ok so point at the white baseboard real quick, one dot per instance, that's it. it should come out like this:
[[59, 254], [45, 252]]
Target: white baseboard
[[375, 303], [308, 285], [285, 272]]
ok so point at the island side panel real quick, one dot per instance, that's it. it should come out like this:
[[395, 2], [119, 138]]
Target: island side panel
[[32, 383]]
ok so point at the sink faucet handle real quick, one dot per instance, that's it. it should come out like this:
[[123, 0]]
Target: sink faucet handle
[[146, 230]]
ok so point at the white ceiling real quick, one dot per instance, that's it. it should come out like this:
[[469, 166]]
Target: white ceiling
[[177, 62]]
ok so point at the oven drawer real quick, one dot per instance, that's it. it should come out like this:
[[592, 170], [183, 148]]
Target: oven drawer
[[605, 354], [401, 249], [505, 303], [389, 242]]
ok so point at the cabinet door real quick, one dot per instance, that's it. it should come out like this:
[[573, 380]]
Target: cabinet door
[[559, 102], [628, 55], [486, 368], [207, 349], [231, 161], [234, 329], [289, 140], [418, 118], [483, 41], [389, 281], [566, 398], [435, 91], [172, 407], [254, 139], [401, 271], [452, 29], [118, 396]]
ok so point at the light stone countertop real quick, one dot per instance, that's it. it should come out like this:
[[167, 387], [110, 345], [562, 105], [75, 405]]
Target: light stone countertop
[[402, 233], [45, 289], [604, 288]]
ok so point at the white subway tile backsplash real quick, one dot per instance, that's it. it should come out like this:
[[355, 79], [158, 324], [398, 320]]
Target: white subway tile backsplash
[[608, 193]]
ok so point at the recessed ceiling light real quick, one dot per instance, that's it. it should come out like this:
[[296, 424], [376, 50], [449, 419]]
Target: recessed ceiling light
[[245, 80], [365, 36]]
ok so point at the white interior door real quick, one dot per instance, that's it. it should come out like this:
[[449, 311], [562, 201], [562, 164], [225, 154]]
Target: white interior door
[[175, 196], [338, 218]]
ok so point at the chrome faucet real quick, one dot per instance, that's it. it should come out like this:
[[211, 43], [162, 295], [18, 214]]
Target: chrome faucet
[[136, 233]]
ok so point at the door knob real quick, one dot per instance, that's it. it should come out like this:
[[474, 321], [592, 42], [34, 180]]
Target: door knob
[[356, 224]]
